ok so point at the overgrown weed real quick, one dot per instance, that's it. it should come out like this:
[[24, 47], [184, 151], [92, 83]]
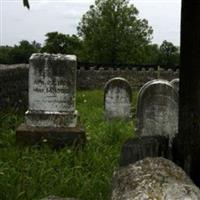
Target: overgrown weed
[[33, 173]]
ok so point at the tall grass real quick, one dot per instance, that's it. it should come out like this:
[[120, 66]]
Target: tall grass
[[33, 173]]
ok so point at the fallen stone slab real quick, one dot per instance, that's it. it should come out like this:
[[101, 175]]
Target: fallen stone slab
[[155, 179]]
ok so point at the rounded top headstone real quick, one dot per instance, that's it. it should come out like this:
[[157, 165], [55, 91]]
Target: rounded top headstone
[[118, 82], [117, 99], [157, 109]]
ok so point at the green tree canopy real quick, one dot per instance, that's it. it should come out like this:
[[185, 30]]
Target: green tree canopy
[[113, 33], [5, 54], [19, 53], [22, 52], [169, 54], [61, 43]]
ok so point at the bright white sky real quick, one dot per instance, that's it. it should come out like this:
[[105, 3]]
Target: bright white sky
[[18, 23]]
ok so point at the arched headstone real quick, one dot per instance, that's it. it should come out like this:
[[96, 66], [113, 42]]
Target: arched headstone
[[157, 109], [117, 99]]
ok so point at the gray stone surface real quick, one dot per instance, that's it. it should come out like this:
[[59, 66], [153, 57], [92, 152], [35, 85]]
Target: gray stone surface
[[175, 83], [117, 99], [153, 179], [52, 89], [157, 109]]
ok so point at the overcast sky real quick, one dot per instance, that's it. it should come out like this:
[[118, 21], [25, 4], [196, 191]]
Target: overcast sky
[[18, 23]]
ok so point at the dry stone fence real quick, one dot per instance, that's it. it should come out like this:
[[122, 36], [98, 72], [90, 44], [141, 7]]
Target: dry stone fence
[[14, 91]]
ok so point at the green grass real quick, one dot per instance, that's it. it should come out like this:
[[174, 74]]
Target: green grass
[[34, 173]]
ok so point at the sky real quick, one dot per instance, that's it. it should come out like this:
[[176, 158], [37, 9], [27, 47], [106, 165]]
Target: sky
[[18, 23]]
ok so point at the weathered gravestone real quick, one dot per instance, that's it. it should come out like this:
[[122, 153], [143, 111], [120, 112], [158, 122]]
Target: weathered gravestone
[[153, 178], [175, 83], [52, 115], [117, 99], [157, 110]]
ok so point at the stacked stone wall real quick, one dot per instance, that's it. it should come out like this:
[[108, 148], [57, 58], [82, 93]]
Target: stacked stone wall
[[14, 80], [13, 85]]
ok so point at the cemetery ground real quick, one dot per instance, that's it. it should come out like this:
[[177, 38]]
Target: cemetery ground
[[37, 172]]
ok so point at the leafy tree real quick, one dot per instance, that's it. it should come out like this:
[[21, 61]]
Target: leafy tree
[[19, 53], [150, 55], [169, 54], [112, 32], [5, 55], [22, 53], [61, 43]]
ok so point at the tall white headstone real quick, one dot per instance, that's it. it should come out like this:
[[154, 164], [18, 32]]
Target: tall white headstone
[[51, 115], [52, 89]]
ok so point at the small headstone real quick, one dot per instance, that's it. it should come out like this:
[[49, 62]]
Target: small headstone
[[175, 83], [117, 99], [157, 109], [52, 115], [153, 178]]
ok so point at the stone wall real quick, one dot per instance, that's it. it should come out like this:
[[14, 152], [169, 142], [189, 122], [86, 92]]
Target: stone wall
[[14, 80], [91, 79], [13, 85]]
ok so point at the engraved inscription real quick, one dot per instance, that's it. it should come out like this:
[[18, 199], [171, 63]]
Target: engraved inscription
[[52, 83]]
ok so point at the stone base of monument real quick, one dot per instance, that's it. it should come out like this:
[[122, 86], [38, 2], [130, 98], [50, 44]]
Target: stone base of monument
[[56, 137], [49, 119]]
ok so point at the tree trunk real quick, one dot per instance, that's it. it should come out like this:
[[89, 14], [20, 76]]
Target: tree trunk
[[187, 143]]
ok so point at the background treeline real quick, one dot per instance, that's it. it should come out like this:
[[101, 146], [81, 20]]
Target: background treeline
[[110, 32]]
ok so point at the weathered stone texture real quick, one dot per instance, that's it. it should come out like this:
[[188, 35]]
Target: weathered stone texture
[[157, 109], [153, 179], [117, 99], [52, 82], [52, 89], [175, 83], [51, 115]]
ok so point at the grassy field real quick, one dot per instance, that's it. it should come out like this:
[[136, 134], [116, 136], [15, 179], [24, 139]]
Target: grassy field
[[34, 173]]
